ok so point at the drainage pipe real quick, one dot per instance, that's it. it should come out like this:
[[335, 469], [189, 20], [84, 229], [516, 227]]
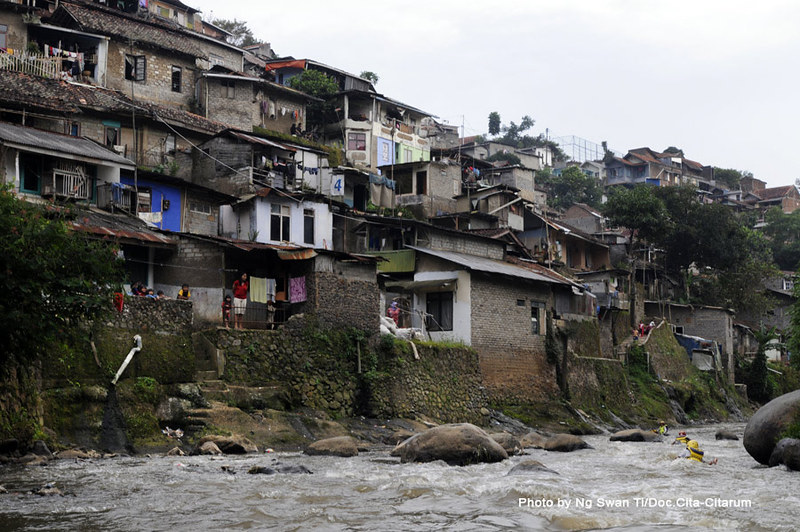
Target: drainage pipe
[[137, 346]]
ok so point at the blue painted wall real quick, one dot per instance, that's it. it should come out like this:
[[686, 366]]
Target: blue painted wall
[[171, 219], [385, 153]]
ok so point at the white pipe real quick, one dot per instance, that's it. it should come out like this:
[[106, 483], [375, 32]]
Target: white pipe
[[137, 340]]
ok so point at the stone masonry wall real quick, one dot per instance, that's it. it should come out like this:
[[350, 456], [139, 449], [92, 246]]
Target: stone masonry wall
[[444, 384], [340, 302], [513, 360]]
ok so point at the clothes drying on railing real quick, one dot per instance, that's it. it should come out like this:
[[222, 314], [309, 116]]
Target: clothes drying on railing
[[381, 190]]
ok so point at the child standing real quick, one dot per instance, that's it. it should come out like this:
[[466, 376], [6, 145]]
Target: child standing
[[227, 305]]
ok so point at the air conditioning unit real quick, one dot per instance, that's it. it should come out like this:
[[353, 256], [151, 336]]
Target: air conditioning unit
[[120, 149]]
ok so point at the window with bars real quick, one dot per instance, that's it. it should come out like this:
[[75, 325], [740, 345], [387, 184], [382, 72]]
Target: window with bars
[[357, 141], [135, 67], [177, 75]]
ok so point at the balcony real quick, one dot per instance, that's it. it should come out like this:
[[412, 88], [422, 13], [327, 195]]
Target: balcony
[[112, 196], [31, 64], [66, 184]]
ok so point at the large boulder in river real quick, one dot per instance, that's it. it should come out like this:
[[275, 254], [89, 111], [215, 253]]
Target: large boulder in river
[[766, 426], [533, 439], [207, 448], [344, 446], [507, 441], [565, 443], [230, 444], [455, 443], [636, 435], [786, 451]]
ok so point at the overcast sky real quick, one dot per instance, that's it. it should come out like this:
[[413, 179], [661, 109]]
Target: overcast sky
[[717, 78]]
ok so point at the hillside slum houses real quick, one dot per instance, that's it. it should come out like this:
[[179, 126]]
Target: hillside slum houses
[[202, 162]]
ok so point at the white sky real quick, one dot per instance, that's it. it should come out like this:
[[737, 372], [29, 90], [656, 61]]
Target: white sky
[[717, 78]]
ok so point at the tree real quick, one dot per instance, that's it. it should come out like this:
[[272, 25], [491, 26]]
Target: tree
[[322, 86], [514, 135], [494, 123], [241, 34], [53, 277], [370, 76], [571, 187], [730, 177], [732, 258], [758, 385], [783, 231]]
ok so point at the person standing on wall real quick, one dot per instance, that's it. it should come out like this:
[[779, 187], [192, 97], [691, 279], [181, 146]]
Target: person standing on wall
[[240, 288]]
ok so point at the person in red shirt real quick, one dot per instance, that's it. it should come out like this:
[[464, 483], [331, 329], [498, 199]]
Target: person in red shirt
[[240, 288]]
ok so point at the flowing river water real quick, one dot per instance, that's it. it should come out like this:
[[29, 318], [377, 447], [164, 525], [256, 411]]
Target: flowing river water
[[616, 485]]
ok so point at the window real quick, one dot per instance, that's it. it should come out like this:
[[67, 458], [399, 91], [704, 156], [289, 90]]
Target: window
[[228, 88], [422, 183], [215, 59], [788, 285], [3, 32], [177, 73], [31, 178], [112, 136], [357, 141], [407, 155], [538, 316], [200, 207], [308, 226], [279, 223], [439, 307], [143, 200], [73, 129], [164, 11], [169, 144], [135, 66]]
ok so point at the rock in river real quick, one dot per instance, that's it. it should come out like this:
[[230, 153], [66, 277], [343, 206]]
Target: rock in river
[[766, 426], [636, 435], [344, 446], [230, 444], [530, 466], [565, 443], [507, 441], [725, 435], [456, 444]]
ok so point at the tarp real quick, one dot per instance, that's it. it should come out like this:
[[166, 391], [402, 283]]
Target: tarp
[[703, 361], [297, 63]]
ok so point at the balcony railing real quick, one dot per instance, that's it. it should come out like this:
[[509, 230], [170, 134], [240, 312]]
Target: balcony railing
[[116, 196], [64, 184], [32, 64]]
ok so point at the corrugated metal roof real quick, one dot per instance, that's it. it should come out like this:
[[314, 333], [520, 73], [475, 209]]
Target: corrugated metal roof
[[119, 227], [260, 140], [78, 148], [482, 264]]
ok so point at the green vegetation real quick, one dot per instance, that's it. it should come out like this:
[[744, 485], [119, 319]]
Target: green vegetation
[[322, 86], [334, 153], [571, 187], [514, 135], [707, 244]]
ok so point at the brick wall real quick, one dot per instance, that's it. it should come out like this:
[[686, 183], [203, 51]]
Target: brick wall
[[157, 86], [512, 359], [479, 247], [244, 110], [344, 295]]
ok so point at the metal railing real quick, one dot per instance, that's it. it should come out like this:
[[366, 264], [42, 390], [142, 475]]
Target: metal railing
[[35, 65]]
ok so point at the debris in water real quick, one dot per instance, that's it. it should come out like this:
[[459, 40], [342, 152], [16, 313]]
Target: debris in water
[[173, 433]]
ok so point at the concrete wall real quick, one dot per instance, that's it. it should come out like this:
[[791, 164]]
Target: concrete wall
[[513, 359], [17, 34]]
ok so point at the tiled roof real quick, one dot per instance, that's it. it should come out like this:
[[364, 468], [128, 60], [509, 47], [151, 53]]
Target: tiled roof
[[773, 193], [155, 32], [55, 95]]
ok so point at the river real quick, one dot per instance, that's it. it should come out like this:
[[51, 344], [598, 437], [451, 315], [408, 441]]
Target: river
[[630, 486]]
